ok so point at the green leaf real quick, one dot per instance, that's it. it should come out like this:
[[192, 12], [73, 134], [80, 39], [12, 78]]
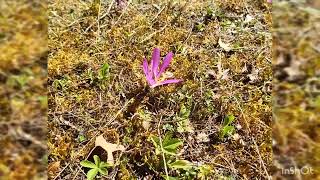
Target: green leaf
[[103, 171], [181, 164], [169, 177], [92, 173], [184, 112], [104, 165], [88, 164], [200, 27], [227, 131], [96, 160], [228, 120], [43, 101], [155, 140], [204, 171], [104, 71], [171, 143], [183, 121], [81, 138], [184, 126]]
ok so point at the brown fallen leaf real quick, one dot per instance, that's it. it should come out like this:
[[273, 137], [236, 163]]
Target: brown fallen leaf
[[225, 46], [294, 70], [254, 76], [109, 147], [53, 168]]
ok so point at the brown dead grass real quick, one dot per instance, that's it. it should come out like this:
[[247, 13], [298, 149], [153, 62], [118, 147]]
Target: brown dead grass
[[23, 100], [296, 95]]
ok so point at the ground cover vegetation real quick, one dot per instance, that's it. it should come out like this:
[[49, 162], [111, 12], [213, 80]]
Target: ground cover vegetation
[[296, 112], [214, 124], [23, 94]]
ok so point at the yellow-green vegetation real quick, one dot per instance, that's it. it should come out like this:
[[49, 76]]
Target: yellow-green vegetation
[[222, 53], [296, 90], [23, 97]]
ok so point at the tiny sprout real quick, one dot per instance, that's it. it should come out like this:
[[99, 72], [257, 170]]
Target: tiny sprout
[[97, 167]]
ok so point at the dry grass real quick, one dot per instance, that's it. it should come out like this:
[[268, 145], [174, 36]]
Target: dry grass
[[23, 100], [296, 95], [84, 36]]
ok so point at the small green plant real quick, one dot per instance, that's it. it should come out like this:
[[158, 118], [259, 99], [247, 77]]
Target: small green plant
[[200, 27], [185, 169], [104, 72], [89, 75], [204, 171], [169, 145], [18, 80], [227, 128], [103, 75], [82, 138], [43, 101], [209, 102], [183, 121], [62, 84], [97, 167]]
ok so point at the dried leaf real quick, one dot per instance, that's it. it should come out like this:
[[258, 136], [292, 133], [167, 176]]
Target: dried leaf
[[222, 74], [225, 74], [109, 147], [224, 46], [294, 70], [254, 76], [53, 168]]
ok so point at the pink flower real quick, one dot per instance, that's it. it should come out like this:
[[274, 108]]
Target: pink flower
[[269, 1], [154, 71]]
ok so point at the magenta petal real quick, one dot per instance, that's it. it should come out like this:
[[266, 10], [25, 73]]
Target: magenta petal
[[151, 81], [155, 61], [169, 81], [145, 67], [146, 71], [165, 63]]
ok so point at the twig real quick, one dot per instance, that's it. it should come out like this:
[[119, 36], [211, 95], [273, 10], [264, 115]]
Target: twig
[[156, 16], [154, 33], [98, 22], [162, 150], [20, 133], [100, 17], [61, 171], [122, 13], [109, 8]]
